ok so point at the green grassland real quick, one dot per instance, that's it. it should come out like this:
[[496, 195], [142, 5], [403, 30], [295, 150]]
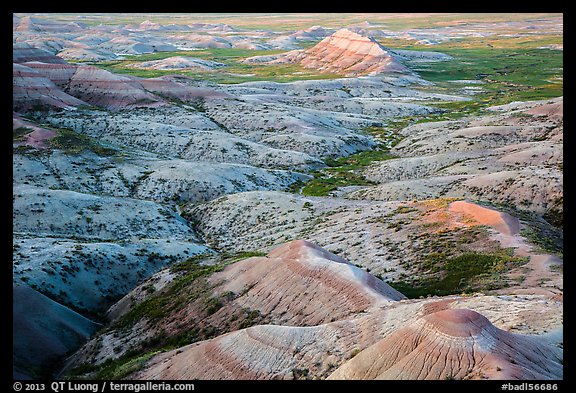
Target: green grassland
[[512, 68], [234, 72], [466, 273], [296, 21], [509, 74], [344, 171], [341, 172], [226, 55]]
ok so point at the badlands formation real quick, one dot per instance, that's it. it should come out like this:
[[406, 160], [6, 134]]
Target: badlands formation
[[345, 52], [162, 228]]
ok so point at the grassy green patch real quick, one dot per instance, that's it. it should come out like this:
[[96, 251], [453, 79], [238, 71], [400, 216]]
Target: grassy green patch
[[191, 264], [234, 71], [465, 273], [524, 67], [547, 235], [221, 55], [191, 285], [74, 143], [124, 366], [238, 256], [512, 69], [324, 182], [343, 171], [18, 133], [512, 72], [358, 160], [388, 136], [162, 303], [545, 240], [113, 369]]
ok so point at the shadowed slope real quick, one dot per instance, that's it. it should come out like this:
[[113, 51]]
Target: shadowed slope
[[44, 331], [23, 52]]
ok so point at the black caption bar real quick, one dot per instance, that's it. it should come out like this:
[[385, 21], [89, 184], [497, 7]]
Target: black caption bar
[[268, 386]]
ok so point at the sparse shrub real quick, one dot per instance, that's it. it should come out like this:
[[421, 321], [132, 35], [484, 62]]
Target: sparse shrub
[[213, 305], [300, 373]]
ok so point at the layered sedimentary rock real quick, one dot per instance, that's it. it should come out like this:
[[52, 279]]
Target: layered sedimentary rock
[[348, 53], [429, 339], [257, 353], [302, 283], [86, 54], [59, 74], [297, 284], [511, 156], [82, 240], [108, 90], [31, 90], [32, 134], [179, 63], [453, 344], [32, 24], [168, 86], [35, 75], [41, 81], [320, 317], [23, 52]]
